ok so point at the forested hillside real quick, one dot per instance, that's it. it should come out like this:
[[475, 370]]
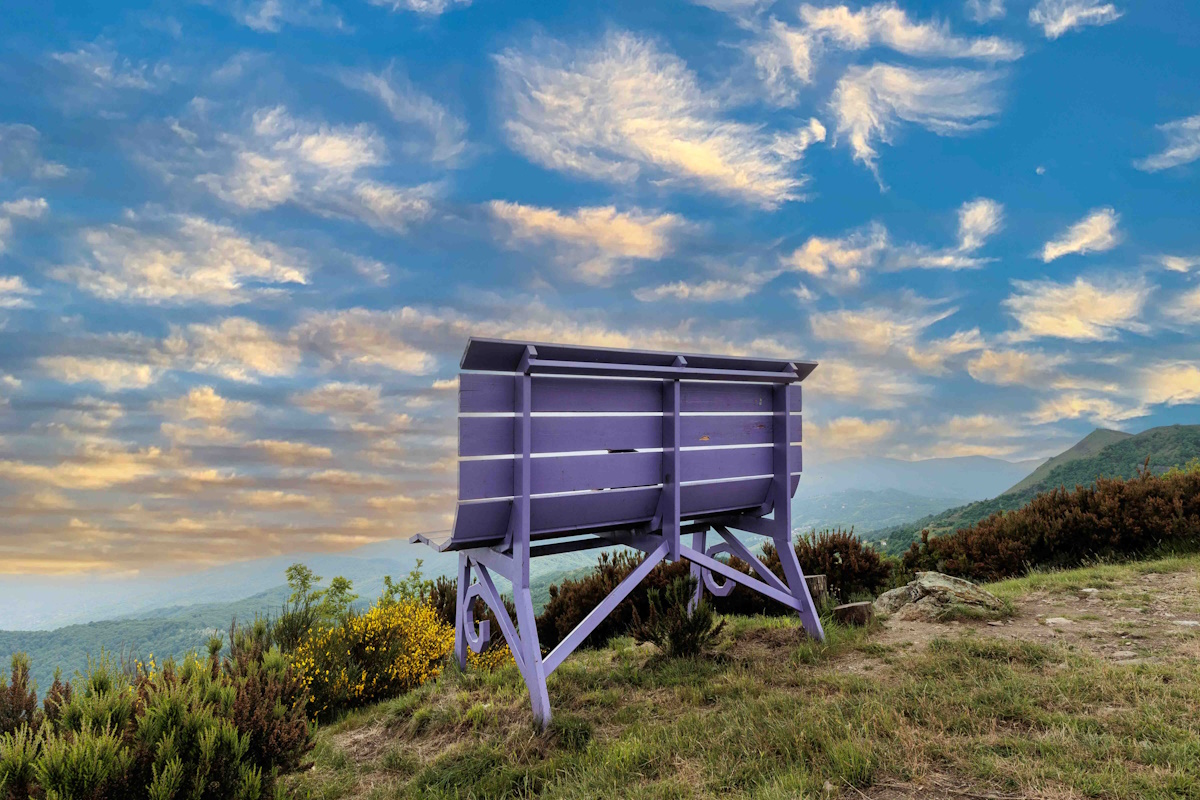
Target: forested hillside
[[1121, 457]]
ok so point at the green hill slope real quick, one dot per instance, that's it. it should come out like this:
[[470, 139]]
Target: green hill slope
[[1121, 457], [1088, 446]]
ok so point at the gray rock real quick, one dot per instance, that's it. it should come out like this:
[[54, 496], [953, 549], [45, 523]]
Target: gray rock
[[1186, 623], [931, 594], [1121, 655], [1055, 622]]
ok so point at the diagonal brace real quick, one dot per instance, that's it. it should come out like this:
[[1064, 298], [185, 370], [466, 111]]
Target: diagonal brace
[[743, 552], [732, 574], [606, 607]]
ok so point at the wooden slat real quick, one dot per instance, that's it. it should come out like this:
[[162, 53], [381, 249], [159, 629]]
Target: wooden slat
[[796, 401], [477, 523], [594, 509], [710, 397], [595, 395], [494, 477], [706, 465], [708, 498], [485, 394], [489, 436], [712, 431]]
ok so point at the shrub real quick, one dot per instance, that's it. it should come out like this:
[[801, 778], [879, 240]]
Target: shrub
[[18, 697], [1113, 518], [851, 568], [669, 625], [574, 599], [381, 653], [202, 729]]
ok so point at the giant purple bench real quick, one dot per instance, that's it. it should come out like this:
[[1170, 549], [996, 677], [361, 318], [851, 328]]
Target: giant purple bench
[[564, 448]]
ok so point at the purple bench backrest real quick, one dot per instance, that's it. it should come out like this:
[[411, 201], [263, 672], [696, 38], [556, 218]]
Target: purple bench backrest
[[596, 436]]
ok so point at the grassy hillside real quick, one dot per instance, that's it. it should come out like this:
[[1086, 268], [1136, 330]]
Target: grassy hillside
[[1086, 447], [911, 710], [1166, 447], [175, 630]]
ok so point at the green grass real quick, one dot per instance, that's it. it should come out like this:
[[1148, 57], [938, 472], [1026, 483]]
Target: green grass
[[771, 715], [1104, 576]]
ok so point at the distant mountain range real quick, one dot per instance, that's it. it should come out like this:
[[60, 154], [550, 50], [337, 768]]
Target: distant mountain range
[[1102, 453]]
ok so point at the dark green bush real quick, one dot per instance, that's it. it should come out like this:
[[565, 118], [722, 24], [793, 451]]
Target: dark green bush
[[202, 729], [677, 632], [1112, 519], [18, 697], [851, 568]]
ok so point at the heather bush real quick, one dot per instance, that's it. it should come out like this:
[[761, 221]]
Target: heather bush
[[678, 632], [1112, 519], [200, 728], [851, 569], [364, 657], [18, 697], [574, 599]]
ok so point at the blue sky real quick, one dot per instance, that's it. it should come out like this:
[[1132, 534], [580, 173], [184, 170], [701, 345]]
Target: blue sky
[[242, 242]]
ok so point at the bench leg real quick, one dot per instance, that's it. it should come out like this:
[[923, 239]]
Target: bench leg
[[699, 544], [460, 611], [799, 587], [531, 655]]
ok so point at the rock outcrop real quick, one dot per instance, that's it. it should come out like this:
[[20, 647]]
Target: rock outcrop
[[933, 597]]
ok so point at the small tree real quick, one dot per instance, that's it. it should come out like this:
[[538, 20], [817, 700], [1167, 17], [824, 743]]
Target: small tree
[[669, 625]]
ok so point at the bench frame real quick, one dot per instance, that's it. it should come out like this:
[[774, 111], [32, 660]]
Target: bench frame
[[661, 539]]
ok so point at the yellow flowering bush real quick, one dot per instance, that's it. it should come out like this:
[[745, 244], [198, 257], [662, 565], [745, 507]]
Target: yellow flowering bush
[[380, 653], [491, 659]]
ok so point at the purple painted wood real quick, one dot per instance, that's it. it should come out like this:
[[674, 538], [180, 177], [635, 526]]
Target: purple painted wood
[[709, 498], [594, 509], [488, 436], [734, 462], [485, 394], [740, 460], [480, 522], [504, 356], [493, 477], [701, 396]]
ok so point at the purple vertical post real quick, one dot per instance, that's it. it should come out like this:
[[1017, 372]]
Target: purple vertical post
[[531, 651], [670, 465], [460, 611], [700, 545], [781, 494]]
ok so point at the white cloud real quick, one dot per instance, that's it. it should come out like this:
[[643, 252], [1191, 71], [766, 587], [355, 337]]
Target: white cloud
[[710, 291], [1173, 383], [111, 373], [195, 260], [984, 10], [14, 292], [888, 25], [445, 132], [320, 167], [1056, 17], [203, 404], [92, 467], [785, 59], [270, 16], [101, 67], [292, 453], [1095, 233], [236, 348], [845, 435], [881, 331], [842, 259], [1179, 263], [1184, 308], [20, 154], [623, 109], [1183, 145], [366, 338], [978, 220], [1081, 311], [1099, 410], [430, 8], [339, 398], [25, 208], [869, 103], [599, 242]]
